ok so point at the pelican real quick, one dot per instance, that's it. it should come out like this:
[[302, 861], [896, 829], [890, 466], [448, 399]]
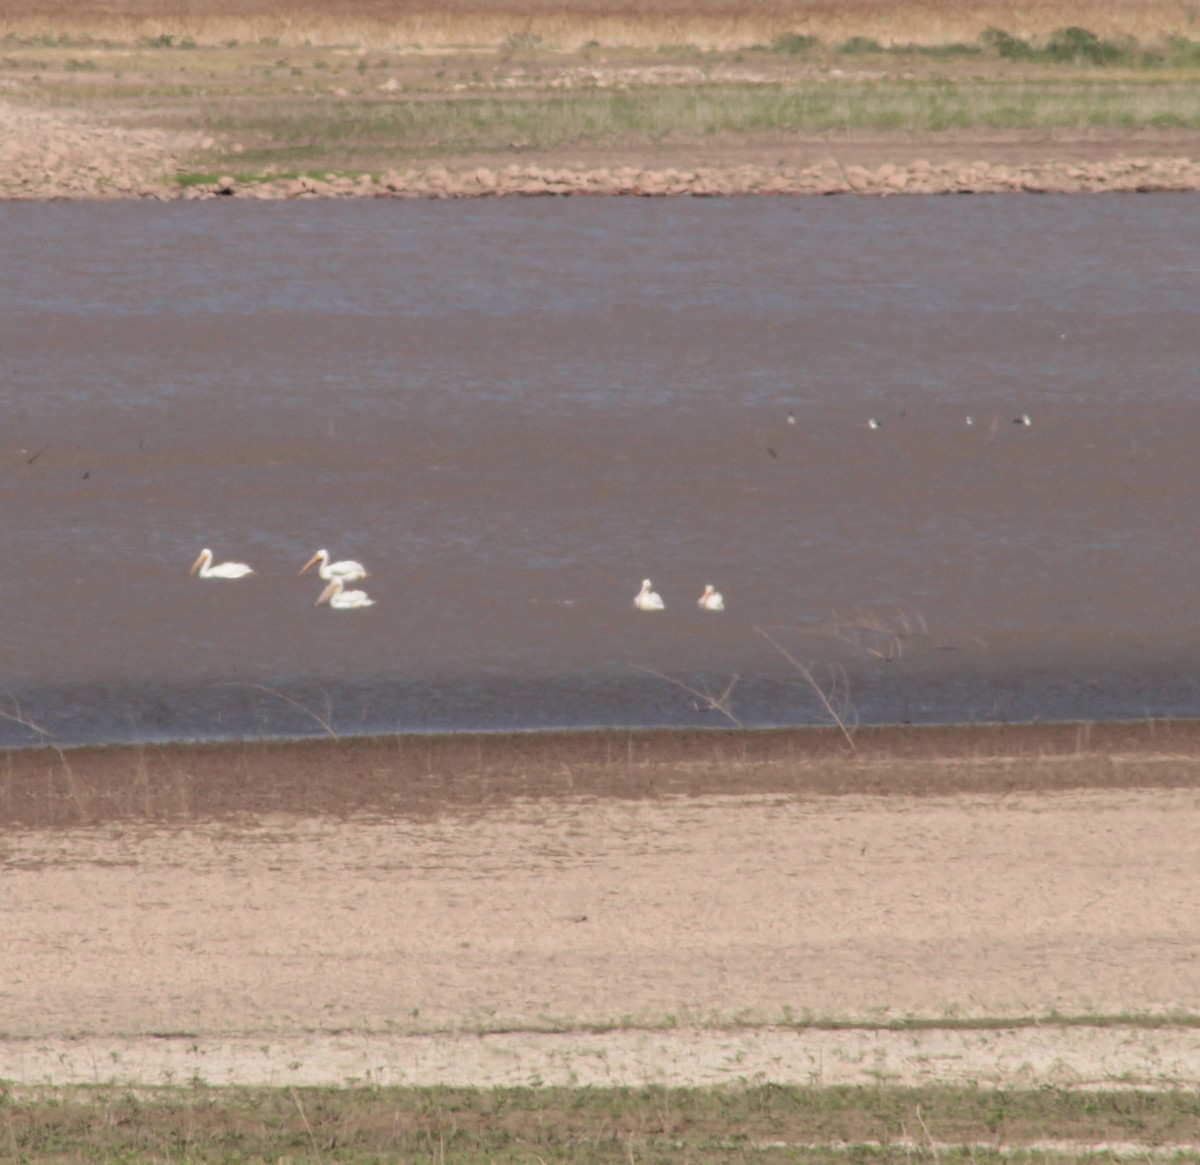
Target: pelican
[[341, 599], [347, 571], [222, 570], [712, 600], [873, 424], [648, 600], [1023, 419]]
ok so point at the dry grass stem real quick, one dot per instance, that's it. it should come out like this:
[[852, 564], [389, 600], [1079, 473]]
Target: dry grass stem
[[321, 720], [711, 703], [19, 717], [878, 636], [810, 680]]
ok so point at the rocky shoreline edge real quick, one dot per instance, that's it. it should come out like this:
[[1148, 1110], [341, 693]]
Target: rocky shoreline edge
[[1128, 175]]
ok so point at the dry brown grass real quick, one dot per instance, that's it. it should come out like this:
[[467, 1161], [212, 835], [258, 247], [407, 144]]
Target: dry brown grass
[[705, 24], [421, 775], [594, 1126]]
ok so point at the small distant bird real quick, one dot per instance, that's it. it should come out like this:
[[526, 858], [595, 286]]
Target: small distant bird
[[873, 424], [1023, 419], [791, 418], [712, 600], [341, 599], [648, 600], [222, 570], [348, 570], [970, 419]]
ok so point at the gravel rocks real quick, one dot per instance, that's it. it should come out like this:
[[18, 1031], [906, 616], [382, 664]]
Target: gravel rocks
[[1125, 174], [52, 154]]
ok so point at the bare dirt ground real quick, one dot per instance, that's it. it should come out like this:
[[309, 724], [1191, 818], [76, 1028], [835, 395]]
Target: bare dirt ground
[[84, 153], [606, 908], [259, 104]]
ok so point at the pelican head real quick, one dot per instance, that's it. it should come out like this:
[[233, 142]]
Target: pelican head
[[204, 559], [321, 556]]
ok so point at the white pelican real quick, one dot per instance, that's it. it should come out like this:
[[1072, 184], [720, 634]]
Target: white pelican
[[1023, 419], [873, 424], [347, 571], [222, 570], [712, 600], [341, 599], [648, 600]]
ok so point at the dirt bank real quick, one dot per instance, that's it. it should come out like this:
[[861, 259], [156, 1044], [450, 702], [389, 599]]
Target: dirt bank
[[420, 776], [74, 154], [324, 911], [331, 946], [104, 121]]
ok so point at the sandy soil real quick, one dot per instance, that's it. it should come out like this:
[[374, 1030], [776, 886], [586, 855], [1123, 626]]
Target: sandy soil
[[73, 154], [88, 151], [483, 928]]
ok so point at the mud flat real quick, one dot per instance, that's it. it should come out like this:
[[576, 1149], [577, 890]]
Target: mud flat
[[1005, 906]]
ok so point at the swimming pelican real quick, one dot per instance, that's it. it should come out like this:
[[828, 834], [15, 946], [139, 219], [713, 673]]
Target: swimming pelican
[[873, 424], [341, 599], [347, 570], [712, 600], [222, 570], [647, 600], [1023, 419]]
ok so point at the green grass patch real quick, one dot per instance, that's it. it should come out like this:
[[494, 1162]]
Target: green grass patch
[[581, 1126], [307, 132], [309, 110], [246, 177], [1076, 45], [858, 45], [795, 42]]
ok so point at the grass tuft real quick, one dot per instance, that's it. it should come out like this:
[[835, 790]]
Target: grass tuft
[[1076, 45], [859, 45], [587, 1126], [795, 42]]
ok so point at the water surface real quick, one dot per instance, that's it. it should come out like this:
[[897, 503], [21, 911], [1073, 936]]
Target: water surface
[[514, 411]]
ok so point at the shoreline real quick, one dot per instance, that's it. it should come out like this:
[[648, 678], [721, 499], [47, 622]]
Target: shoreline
[[1138, 174], [607, 908], [423, 775], [666, 939]]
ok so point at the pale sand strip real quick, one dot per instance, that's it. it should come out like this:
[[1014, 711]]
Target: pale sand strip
[[571, 913], [1076, 1057]]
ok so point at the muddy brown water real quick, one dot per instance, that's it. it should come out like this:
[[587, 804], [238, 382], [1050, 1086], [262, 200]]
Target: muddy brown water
[[514, 411]]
